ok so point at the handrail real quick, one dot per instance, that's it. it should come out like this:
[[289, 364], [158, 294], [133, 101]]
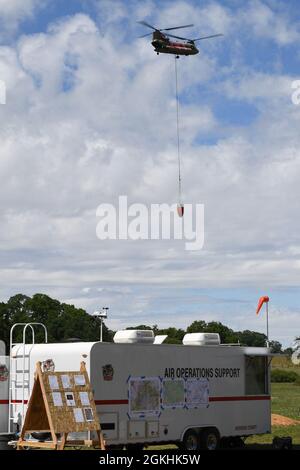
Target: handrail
[[25, 326]]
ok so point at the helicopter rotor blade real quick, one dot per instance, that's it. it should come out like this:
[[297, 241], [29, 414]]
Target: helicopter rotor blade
[[145, 35], [176, 37], [177, 27], [148, 25], [207, 37]]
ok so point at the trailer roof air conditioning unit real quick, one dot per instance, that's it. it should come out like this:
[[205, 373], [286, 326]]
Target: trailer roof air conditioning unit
[[201, 339], [134, 336]]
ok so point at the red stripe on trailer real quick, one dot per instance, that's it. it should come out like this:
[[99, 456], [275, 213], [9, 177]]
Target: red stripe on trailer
[[211, 399], [14, 402], [6, 402], [111, 402], [125, 402]]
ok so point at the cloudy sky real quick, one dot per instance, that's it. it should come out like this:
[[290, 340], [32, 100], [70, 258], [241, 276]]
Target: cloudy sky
[[90, 115]]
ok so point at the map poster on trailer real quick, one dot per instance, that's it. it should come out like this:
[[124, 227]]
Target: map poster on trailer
[[197, 392], [144, 396], [173, 392]]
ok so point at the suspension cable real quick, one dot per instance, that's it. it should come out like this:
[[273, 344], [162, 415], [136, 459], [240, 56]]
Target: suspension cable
[[178, 134]]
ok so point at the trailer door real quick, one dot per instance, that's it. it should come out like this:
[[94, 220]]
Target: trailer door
[[256, 375]]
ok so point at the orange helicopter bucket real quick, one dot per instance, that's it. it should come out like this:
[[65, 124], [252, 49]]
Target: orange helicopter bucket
[[180, 210]]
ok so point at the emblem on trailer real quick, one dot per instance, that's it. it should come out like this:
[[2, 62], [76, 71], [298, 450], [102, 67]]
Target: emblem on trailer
[[3, 373], [108, 372], [48, 365]]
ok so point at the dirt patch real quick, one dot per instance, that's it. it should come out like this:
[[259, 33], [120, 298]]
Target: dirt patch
[[278, 420]]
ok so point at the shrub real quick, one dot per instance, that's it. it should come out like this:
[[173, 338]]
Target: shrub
[[284, 376]]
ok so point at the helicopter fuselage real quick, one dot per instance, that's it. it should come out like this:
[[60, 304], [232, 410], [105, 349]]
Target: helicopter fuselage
[[163, 45]]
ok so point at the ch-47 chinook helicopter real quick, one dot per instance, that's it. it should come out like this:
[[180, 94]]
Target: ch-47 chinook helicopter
[[162, 43]]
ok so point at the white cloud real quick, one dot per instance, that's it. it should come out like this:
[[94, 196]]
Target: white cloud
[[266, 22], [13, 12], [251, 85]]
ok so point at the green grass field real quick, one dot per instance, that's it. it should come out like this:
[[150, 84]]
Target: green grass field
[[285, 402]]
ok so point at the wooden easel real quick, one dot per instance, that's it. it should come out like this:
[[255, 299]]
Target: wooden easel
[[45, 414]]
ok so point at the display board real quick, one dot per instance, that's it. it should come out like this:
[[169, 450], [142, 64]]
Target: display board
[[61, 403]]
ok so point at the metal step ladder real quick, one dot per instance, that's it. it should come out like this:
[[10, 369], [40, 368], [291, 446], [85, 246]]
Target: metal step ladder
[[19, 377]]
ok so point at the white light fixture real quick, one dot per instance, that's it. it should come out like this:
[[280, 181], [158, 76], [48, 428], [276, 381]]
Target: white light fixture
[[102, 315]]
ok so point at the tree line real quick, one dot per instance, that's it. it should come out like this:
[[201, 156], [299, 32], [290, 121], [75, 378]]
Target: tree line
[[67, 323]]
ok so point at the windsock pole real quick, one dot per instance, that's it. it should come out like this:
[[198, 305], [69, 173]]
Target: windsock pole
[[267, 315]]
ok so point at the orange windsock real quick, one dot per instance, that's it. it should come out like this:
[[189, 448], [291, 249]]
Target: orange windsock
[[262, 300]]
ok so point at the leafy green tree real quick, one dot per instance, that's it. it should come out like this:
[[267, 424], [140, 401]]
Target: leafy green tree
[[198, 326], [175, 336], [63, 321], [226, 334], [276, 347], [252, 338]]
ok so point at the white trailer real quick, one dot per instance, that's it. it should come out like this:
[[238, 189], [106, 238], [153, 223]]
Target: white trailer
[[192, 394]]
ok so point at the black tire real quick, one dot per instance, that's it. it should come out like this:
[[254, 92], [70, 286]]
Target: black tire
[[190, 441], [239, 443], [226, 443], [209, 439]]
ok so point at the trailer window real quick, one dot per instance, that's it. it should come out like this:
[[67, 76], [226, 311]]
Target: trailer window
[[256, 376]]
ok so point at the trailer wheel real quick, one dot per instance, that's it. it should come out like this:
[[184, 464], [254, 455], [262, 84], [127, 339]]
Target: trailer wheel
[[239, 443], [190, 441], [209, 439]]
